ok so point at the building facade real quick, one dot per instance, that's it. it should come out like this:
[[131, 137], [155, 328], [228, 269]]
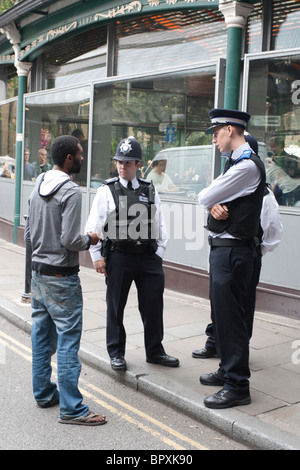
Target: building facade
[[104, 70]]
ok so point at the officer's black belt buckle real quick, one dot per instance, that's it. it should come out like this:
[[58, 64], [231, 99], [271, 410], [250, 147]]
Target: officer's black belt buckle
[[230, 242]]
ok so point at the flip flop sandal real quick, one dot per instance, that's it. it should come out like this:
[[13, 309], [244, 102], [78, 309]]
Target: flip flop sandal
[[83, 420]]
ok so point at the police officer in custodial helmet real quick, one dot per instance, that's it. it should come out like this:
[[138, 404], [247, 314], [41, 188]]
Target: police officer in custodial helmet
[[126, 212]]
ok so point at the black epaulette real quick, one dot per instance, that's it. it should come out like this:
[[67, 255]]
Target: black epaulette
[[144, 180], [111, 180]]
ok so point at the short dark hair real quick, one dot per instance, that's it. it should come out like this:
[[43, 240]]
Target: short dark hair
[[78, 133], [63, 146]]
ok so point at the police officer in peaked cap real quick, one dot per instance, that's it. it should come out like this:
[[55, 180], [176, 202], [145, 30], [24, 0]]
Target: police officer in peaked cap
[[236, 199], [268, 238], [127, 214]]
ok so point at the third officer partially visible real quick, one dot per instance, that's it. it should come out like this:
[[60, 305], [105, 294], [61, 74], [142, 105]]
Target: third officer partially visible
[[127, 215]]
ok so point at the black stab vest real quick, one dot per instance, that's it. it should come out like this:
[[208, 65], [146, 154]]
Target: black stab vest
[[132, 222], [244, 212]]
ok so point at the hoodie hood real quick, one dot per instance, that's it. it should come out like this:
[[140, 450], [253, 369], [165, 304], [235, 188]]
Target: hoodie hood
[[51, 182]]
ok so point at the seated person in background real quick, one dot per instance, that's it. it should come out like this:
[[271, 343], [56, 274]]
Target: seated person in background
[[289, 163], [5, 171], [286, 189], [160, 179]]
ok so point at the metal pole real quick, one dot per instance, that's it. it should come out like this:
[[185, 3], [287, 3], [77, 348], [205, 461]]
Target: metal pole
[[19, 153], [235, 14], [233, 68], [26, 297]]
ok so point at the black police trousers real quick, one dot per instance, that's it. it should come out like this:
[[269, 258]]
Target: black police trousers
[[231, 271], [250, 304], [145, 270]]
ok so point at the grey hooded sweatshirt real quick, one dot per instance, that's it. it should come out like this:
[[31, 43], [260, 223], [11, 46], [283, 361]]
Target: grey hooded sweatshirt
[[53, 224]]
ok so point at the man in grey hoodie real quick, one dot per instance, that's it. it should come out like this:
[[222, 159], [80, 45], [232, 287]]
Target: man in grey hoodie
[[53, 229]]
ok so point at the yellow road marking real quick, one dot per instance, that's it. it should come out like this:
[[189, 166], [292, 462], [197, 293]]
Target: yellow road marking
[[12, 340], [12, 348], [148, 418], [112, 409]]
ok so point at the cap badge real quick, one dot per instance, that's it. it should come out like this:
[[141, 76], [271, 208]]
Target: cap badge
[[125, 147]]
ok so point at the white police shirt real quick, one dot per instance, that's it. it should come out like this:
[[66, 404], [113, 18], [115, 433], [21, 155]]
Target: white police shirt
[[240, 180], [271, 223], [104, 204]]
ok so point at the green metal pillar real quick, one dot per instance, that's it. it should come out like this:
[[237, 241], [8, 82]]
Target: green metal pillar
[[233, 68], [235, 14], [23, 69]]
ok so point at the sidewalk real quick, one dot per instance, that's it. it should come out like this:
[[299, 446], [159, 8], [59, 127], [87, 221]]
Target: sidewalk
[[271, 421]]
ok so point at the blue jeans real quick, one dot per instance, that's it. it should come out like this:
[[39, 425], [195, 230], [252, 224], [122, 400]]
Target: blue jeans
[[57, 325]]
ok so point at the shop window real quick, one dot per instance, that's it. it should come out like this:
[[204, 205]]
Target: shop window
[[8, 119], [274, 105], [254, 31], [78, 59], [169, 116], [286, 24], [48, 115], [166, 40]]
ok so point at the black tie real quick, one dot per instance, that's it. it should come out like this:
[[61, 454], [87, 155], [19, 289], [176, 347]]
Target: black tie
[[129, 185], [228, 164]]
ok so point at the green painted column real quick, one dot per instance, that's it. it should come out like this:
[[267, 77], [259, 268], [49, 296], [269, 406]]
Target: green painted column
[[22, 69], [235, 14], [233, 68]]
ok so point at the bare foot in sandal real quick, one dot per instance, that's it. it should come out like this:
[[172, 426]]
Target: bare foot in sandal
[[90, 420]]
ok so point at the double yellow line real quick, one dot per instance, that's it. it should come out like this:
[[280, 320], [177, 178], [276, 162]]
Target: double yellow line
[[25, 353]]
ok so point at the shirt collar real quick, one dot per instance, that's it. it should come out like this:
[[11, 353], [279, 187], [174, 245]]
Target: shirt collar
[[238, 152], [135, 183]]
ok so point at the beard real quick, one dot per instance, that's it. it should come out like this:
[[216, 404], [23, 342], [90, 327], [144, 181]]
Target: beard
[[76, 167]]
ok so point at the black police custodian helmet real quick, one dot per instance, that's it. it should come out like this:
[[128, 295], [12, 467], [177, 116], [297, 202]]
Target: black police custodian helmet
[[220, 117], [129, 149], [252, 142]]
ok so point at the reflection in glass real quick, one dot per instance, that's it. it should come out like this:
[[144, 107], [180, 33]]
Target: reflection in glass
[[49, 115], [182, 171], [78, 59], [273, 102], [285, 24], [165, 112], [8, 119], [154, 42]]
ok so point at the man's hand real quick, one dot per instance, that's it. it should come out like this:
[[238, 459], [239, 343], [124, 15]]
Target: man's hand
[[94, 238], [100, 266], [219, 212]]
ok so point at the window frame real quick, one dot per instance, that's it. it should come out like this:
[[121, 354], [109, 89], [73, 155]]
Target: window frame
[[248, 58]]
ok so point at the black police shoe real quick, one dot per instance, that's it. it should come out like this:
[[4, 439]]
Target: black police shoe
[[226, 399], [212, 379], [164, 360], [204, 353], [118, 363]]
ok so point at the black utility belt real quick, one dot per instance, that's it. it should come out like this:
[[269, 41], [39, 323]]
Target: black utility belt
[[149, 249], [230, 242]]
